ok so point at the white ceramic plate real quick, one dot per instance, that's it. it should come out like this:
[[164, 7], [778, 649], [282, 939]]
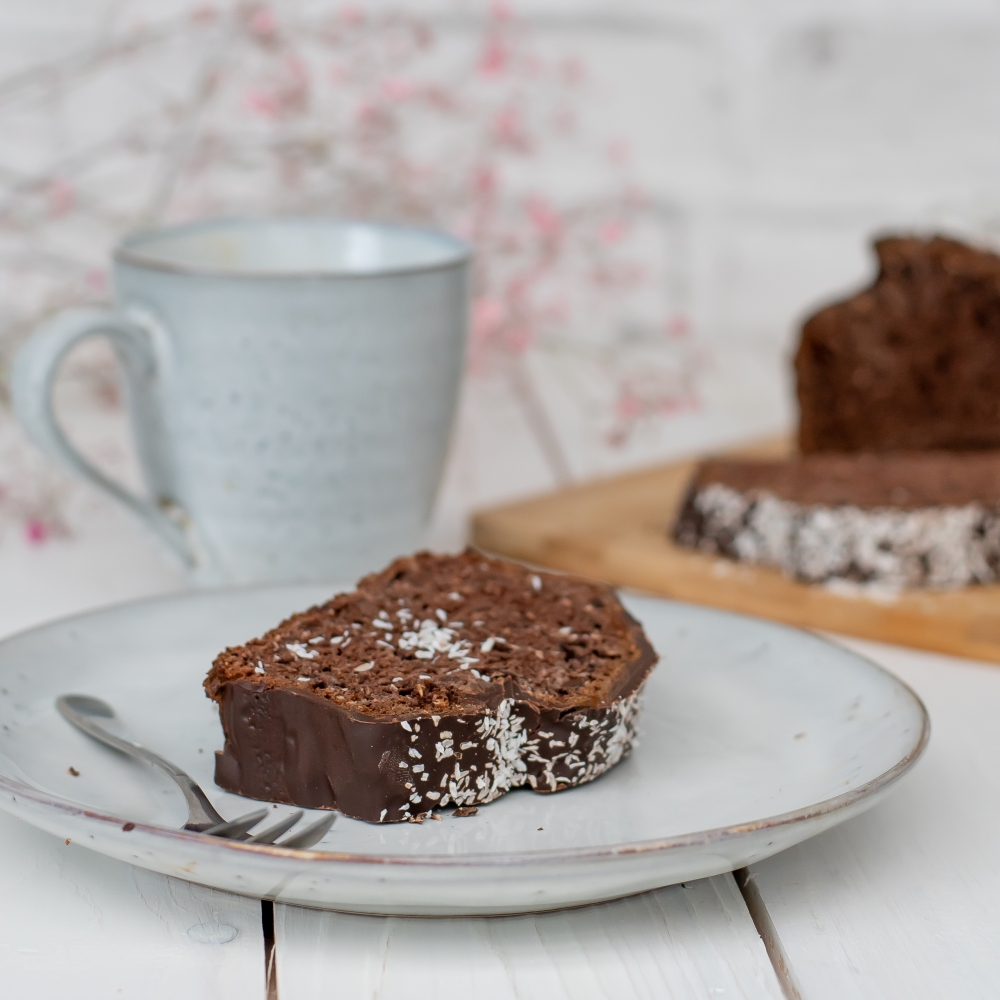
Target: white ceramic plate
[[754, 737]]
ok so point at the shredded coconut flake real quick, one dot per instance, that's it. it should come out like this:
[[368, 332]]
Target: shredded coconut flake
[[301, 650], [430, 639], [885, 549]]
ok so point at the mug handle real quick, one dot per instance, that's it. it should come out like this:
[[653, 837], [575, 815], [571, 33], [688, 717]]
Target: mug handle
[[32, 380]]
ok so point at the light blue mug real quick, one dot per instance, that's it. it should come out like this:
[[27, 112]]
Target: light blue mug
[[292, 384]]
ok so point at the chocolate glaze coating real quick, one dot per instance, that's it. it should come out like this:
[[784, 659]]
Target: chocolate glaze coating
[[900, 480]]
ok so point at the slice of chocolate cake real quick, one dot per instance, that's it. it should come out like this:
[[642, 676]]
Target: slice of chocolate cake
[[913, 362], [909, 519], [441, 681]]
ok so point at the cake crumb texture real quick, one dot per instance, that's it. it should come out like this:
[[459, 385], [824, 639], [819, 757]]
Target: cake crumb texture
[[913, 361], [437, 634]]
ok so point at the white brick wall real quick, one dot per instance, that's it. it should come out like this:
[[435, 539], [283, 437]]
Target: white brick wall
[[776, 137]]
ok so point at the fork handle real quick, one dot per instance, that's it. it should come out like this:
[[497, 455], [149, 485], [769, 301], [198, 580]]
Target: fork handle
[[201, 813]]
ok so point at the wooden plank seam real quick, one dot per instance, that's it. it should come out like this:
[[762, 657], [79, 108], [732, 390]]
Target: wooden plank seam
[[768, 934]]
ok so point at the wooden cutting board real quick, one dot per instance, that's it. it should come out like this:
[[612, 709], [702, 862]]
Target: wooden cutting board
[[617, 531]]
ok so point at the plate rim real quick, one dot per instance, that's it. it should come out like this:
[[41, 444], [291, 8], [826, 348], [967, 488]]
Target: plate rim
[[494, 859]]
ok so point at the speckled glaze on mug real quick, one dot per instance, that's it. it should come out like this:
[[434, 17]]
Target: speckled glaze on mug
[[292, 388]]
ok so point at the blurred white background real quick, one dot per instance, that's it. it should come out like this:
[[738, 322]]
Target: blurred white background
[[660, 191]]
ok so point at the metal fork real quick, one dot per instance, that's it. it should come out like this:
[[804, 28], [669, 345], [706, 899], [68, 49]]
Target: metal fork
[[97, 719]]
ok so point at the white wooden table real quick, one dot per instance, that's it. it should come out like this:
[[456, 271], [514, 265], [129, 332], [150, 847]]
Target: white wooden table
[[901, 902]]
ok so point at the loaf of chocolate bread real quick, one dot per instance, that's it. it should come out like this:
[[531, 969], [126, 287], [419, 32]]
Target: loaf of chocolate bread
[[913, 362], [440, 681], [900, 519]]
